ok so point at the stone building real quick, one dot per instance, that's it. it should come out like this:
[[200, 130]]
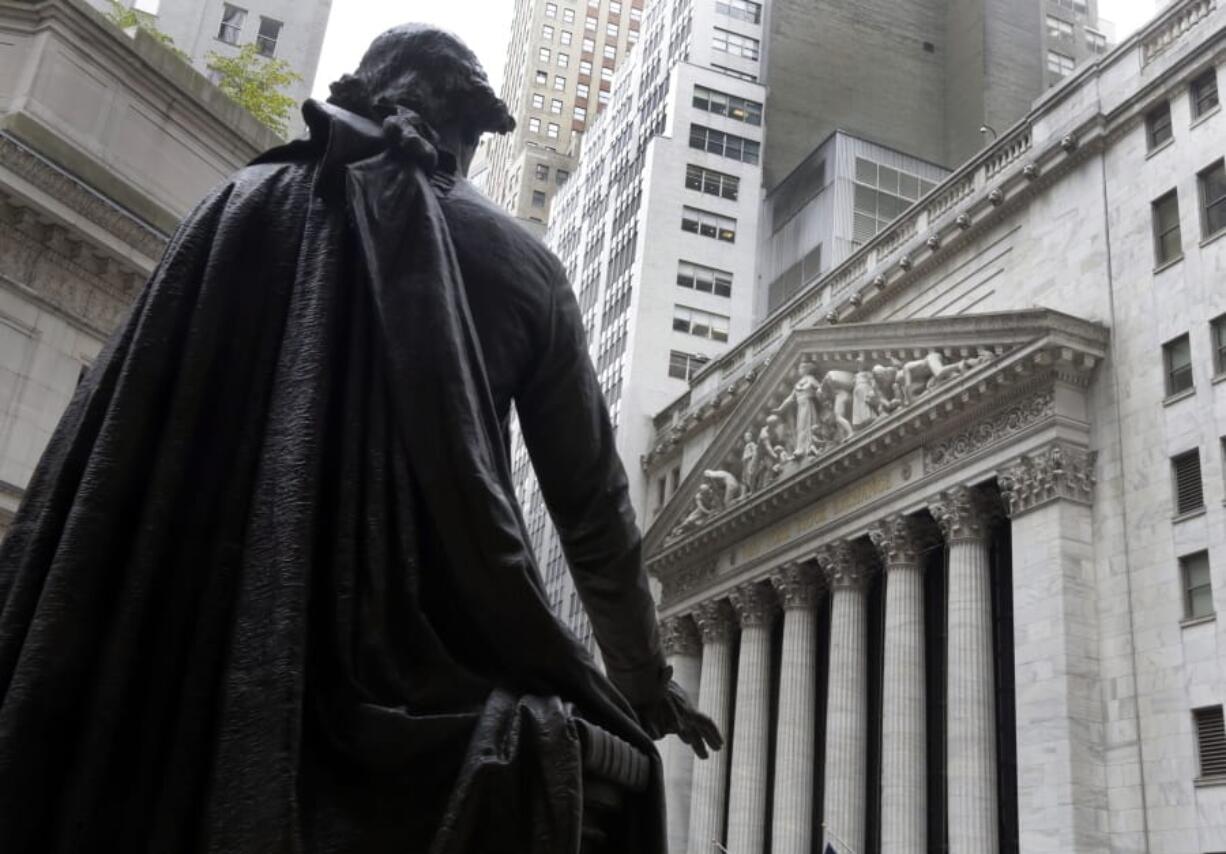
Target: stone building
[[950, 535], [561, 56], [106, 141]]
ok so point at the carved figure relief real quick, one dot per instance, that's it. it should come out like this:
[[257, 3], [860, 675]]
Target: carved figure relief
[[817, 410]]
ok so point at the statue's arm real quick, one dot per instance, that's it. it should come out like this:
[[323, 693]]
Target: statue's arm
[[570, 439]]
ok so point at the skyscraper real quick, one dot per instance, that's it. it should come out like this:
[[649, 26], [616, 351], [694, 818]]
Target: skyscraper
[[560, 62]]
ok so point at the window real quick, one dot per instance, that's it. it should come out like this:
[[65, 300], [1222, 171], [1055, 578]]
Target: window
[[542, 172], [555, 107], [561, 176], [1059, 63], [1204, 94], [615, 7], [1197, 587], [610, 51], [1212, 183], [1078, 6], [732, 72], [559, 83], [542, 78], [708, 224], [1177, 356], [551, 10], [703, 324], [606, 74], [879, 195], [538, 199], [547, 32], [1058, 27], [581, 90], [589, 24], [712, 182], [580, 114], [1217, 334], [589, 45], [534, 124], [232, 20], [1210, 742], [682, 366], [602, 97], [585, 66], [721, 104], [543, 54], [266, 39], [735, 44], [1158, 125], [1167, 242], [568, 16], [563, 59], [538, 100], [742, 10], [1189, 494], [723, 144], [565, 37], [1096, 41], [636, 15], [552, 131], [610, 30], [708, 280]]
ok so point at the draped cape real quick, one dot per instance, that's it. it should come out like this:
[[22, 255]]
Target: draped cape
[[269, 589]]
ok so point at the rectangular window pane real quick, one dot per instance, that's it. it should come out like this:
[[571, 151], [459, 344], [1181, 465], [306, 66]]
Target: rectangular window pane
[[1189, 491], [1213, 198], [1166, 229], [1158, 125], [1204, 93], [232, 20], [266, 40], [1218, 334], [1178, 355]]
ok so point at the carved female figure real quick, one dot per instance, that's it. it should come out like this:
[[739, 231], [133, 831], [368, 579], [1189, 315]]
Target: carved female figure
[[750, 465], [804, 397]]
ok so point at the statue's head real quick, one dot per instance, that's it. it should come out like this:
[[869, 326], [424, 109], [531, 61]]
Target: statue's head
[[807, 368], [748, 435], [434, 74]]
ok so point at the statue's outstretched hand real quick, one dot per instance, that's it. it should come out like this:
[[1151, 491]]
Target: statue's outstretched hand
[[673, 713]]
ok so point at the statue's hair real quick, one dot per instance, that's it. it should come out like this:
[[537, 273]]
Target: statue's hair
[[429, 71]]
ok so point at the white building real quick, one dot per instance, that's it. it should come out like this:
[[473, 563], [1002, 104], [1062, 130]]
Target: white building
[[950, 538]]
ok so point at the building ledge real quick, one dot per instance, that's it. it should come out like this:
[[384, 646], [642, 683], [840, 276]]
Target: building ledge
[[1207, 782], [1179, 395], [1188, 622], [1213, 238], [1159, 148], [1166, 265], [1204, 117], [1185, 517]]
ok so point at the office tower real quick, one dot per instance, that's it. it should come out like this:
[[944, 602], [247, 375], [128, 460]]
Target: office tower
[[560, 62]]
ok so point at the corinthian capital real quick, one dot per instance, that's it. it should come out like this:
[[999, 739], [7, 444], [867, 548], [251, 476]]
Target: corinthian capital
[[679, 636], [797, 585], [715, 620], [897, 539], [844, 565], [754, 603], [1058, 471], [961, 513]]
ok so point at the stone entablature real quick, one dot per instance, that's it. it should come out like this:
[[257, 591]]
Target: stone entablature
[[1023, 372]]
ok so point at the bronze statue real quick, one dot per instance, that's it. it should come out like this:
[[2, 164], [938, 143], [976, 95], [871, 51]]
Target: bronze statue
[[269, 589]]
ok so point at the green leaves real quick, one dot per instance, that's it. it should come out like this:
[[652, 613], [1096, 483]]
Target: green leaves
[[126, 17], [256, 82]]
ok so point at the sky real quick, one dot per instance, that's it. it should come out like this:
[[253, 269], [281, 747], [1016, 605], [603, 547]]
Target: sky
[[485, 24]]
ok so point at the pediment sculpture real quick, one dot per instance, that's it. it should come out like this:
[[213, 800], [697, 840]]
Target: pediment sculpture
[[820, 405]]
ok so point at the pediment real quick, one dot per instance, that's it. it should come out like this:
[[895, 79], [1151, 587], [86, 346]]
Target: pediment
[[837, 401]]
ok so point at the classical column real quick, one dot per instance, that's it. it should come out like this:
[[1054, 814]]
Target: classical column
[[846, 698], [797, 588], [716, 625], [754, 604], [904, 781], [1064, 803], [970, 687], [682, 646]]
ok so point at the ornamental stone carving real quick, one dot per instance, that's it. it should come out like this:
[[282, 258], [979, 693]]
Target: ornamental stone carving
[[679, 636], [844, 565], [990, 431], [897, 539], [754, 603], [715, 620], [962, 513], [821, 406], [1059, 471], [797, 585]]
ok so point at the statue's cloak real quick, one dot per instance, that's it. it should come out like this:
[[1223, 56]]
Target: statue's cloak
[[270, 590]]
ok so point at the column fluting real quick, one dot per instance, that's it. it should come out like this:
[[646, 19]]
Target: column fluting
[[904, 777], [797, 587], [754, 604], [970, 727], [682, 649], [716, 625]]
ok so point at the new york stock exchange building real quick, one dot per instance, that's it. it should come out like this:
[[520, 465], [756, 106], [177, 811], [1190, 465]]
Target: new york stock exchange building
[[947, 539]]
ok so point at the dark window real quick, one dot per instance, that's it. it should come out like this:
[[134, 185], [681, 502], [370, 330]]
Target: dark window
[[542, 172], [725, 144], [1204, 94], [711, 182], [1217, 333], [742, 10], [1212, 183], [1189, 494], [266, 41], [1158, 125], [1167, 243], [538, 199], [1177, 356], [683, 366], [232, 20], [561, 177], [1197, 587], [723, 104], [1210, 742]]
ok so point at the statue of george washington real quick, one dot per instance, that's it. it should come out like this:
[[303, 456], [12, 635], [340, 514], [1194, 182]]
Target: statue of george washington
[[270, 589]]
